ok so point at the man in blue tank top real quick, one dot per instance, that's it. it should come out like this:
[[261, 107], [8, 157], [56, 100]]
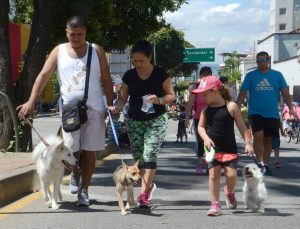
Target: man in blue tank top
[[264, 87]]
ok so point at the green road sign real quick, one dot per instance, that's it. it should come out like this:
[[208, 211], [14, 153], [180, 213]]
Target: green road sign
[[195, 55]]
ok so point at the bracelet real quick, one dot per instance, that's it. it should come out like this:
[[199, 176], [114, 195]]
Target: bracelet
[[160, 100]]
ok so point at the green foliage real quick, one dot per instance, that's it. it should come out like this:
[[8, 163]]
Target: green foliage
[[12, 144], [181, 86], [185, 69], [231, 69], [169, 46], [114, 24], [21, 11]]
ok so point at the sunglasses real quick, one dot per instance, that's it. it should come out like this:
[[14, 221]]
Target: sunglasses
[[262, 60]]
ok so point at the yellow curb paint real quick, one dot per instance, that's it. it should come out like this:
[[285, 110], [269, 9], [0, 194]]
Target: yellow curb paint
[[19, 204]]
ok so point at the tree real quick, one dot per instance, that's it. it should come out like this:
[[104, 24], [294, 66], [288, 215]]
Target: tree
[[35, 56], [231, 69], [6, 127], [169, 45], [185, 69], [114, 24]]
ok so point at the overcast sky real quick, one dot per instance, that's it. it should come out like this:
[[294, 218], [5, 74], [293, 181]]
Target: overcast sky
[[222, 24]]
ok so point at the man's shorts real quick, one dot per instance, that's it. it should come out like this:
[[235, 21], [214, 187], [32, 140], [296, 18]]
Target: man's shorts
[[269, 126], [90, 136]]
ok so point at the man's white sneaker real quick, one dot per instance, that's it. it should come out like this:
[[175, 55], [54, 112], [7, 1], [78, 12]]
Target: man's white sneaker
[[74, 183], [83, 198]]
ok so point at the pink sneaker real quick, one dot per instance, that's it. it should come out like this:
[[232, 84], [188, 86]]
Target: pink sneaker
[[142, 201], [151, 191], [215, 209], [199, 169], [230, 199]]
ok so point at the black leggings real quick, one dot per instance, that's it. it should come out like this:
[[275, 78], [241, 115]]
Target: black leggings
[[199, 141]]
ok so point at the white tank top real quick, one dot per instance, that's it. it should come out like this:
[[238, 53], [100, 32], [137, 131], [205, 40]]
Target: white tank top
[[71, 74]]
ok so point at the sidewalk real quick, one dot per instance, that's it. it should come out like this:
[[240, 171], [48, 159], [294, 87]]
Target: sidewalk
[[18, 175]]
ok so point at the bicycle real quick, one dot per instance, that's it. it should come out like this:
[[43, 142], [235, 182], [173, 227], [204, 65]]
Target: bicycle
[[292, 131]]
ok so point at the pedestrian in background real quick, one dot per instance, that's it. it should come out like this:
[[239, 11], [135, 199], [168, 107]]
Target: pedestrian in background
[[216, 128], [181, 128], [197, 103], [264, 86], [70, 62], [232, 91], [150, 89], [276, 146]]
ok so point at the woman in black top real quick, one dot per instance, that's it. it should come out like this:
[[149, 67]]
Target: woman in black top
[[150, 89]]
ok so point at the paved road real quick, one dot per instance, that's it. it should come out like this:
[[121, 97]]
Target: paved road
[[181, 200], [45, 126]]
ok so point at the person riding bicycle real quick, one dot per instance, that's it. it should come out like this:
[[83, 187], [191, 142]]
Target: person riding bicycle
[[287, 118]]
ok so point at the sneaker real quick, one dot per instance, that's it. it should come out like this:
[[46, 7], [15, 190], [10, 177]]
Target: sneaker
[[74, 183], [277, 164], [199, 169], [268, 170], [230, 199], [215, 209], [142, 201], [151, 191], [83, 198], [262, 169]]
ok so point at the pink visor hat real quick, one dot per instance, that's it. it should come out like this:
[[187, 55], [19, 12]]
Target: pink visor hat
[[208, 83]]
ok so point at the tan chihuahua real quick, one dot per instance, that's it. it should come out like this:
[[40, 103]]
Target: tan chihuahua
[[124, 177]]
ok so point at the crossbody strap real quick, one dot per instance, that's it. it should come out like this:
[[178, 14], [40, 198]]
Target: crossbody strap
[[87, 79]]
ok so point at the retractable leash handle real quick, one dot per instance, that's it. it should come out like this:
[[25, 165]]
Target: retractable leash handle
[[113, 128], [253, 157], [209, 154], [111, 121]]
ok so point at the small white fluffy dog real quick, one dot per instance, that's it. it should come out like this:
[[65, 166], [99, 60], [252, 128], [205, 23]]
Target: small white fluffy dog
[[50, 162], [254, 190]]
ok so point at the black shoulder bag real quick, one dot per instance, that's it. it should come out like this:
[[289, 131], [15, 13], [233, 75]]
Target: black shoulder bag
[[75, 112]]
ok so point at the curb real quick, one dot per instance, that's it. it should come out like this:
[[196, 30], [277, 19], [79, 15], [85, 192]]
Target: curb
[[25, 180]]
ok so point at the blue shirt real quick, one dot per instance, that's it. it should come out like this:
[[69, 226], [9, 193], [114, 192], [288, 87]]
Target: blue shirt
[[264, 91]]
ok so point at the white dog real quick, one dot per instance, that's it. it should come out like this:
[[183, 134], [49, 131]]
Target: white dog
[[50, 163], [254, 190]]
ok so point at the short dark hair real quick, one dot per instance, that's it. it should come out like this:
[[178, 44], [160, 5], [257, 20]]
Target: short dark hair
[[76, 22], [224, 79], [205, 69], [262, 53], [144, 47]]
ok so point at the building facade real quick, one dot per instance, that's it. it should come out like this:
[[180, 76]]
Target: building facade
[[284, 15]]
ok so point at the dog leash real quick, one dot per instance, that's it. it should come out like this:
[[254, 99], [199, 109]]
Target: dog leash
[[114, 131], [255, 161], [113, 128], [30, 124]]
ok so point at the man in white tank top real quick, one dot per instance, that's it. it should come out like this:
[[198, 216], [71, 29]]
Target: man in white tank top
[[69, 60]]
